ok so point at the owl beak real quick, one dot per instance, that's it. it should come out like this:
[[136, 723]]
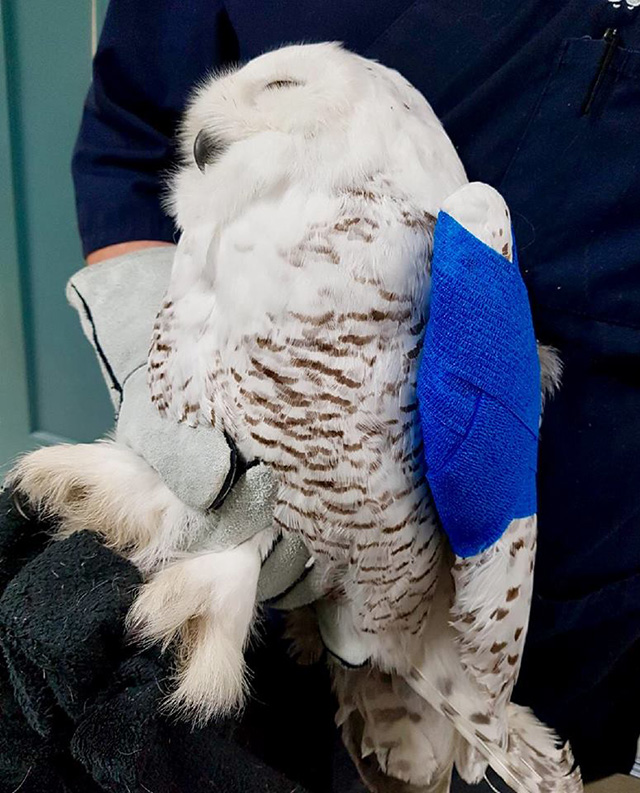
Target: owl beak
[[206, 148]]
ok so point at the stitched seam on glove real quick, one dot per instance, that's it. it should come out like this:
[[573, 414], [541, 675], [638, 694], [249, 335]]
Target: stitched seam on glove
[[98, 347]]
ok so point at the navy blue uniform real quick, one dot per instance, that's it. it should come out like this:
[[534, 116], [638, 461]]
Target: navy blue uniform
[[544, 106]]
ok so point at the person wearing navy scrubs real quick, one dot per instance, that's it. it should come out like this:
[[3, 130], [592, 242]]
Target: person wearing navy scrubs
[[542, 100]]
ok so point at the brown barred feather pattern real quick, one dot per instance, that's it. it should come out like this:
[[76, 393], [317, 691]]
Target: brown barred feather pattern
[[327, 397]]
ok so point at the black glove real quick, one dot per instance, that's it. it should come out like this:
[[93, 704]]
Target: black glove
[[79, 704]]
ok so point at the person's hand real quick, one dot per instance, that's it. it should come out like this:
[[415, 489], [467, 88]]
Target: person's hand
[[117, 300]]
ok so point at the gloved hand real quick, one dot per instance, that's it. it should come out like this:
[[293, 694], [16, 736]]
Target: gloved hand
[[117, 301]]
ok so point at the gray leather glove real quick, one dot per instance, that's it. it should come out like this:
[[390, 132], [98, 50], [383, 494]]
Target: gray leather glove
[[117, 301]]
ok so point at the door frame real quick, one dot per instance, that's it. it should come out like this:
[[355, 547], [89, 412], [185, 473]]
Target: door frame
[[18, 432], [16, 426]]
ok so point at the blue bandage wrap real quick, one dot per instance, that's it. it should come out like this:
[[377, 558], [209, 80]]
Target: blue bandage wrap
[[478, 390]]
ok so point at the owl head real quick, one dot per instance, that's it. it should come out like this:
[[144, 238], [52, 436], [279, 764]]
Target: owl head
[[311, 113], [296, 90]]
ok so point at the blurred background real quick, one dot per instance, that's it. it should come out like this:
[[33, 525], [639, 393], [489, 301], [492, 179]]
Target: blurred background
[[51, 389]]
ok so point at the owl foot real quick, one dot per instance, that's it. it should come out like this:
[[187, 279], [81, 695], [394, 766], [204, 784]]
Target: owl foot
[[206, 602], [106, 488]]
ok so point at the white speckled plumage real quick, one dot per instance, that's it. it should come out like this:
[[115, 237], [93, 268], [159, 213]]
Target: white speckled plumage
[[297, 307], [294, 321]]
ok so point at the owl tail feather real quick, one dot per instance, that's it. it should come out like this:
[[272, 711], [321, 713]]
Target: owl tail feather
[[529, 759], [399, 744]]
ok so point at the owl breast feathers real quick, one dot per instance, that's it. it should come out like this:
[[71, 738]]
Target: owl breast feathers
[[297, 308]]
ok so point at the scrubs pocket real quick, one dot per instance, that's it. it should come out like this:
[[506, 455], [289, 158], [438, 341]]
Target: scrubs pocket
[[576, 174]]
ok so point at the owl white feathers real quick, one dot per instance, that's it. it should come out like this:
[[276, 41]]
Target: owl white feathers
[[297, 305], [306, 196]]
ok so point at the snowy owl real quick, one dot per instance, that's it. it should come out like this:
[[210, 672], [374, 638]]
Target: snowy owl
[[306, 196]]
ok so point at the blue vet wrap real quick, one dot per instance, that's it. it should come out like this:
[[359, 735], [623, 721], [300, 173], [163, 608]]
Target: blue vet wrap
[[478, 390]]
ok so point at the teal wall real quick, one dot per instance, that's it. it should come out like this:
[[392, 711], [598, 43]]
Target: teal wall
[[50, 385]]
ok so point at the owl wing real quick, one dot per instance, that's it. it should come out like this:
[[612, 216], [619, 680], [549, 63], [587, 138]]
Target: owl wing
[[493, 589], [476, 635]]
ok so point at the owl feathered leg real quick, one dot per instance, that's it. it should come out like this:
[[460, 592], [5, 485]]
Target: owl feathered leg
[[106, 488], [207, 602]]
